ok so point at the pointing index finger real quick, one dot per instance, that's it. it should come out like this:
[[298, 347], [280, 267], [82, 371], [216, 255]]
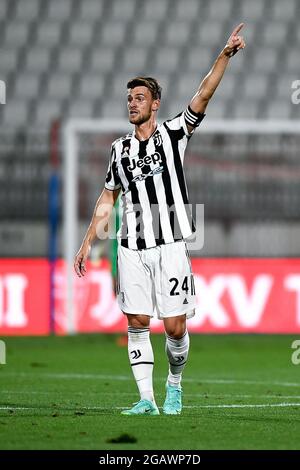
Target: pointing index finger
[[237, 29]]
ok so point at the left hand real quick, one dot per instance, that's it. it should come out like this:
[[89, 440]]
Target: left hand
[[235, 42]]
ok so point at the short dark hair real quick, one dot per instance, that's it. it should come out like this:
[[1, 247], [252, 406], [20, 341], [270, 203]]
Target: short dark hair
[[149, 82]]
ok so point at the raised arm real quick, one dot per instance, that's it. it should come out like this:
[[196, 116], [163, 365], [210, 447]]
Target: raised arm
[[211, 81], [98, 225]]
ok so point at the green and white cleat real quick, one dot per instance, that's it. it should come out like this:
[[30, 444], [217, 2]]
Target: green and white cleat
[[143, 407], [173, 405]]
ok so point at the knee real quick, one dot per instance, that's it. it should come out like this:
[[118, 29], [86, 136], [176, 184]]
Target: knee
[[176, 331], [138, 321]]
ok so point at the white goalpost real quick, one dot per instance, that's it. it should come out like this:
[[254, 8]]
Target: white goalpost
[[78, 131]]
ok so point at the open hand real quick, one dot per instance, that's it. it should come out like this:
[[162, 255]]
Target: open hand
[[235, 42]]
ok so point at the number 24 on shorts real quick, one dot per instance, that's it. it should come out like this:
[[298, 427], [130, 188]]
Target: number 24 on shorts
[[188, 283]]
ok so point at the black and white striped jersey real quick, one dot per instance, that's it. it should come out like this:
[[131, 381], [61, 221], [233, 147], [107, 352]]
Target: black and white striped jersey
[[151, 177]]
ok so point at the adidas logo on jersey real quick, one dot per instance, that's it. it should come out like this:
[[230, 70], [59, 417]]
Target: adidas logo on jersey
[[185, 301], [143, 176]]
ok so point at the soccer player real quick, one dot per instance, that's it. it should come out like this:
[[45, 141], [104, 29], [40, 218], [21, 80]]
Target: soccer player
[[154, 269]]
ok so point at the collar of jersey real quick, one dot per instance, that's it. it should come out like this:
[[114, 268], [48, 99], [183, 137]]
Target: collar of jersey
[[146, 140]]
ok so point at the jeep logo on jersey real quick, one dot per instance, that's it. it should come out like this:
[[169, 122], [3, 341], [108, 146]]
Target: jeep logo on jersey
[[147, 160]]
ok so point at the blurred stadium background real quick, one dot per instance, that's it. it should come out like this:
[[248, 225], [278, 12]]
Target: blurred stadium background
[[64, 59], [69, 60]]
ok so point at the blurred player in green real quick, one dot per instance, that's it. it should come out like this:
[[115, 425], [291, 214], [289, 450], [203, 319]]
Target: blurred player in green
[[113, 247]]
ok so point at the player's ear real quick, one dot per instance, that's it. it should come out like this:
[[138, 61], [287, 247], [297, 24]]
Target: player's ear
[[155, 105]]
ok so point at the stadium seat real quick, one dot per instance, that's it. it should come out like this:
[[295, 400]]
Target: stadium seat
[[245, 110], [81, 109], [102, 60], [3, 9], [172, 109], [15, 113], [177, 33], [167, 59], [219, 10], [187, 85], [275, 33], [90, 10], [38, 59], [114, 108], [91, 86], [59, 86], [59, 10], [282, 109], [145, 33], [188, 10], [70, 59], [27, 86], [9, 58], [284, 11], [48, 33], [46, 111], [284, 85], [297, 33], [204, 36], [81, 33], [292, 60], [255, 86], [199, 59], [28, 10], [250, 11], [113, 33], [16, 34], [134, 60], [228, 87], [265, 59], [155, 9], [238, 64], [216, 109], [123, 9]]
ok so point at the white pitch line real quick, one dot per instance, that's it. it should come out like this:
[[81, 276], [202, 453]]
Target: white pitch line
[[17, 408], [129, 378], [233, 395], [265, 405], [91, 408], [67, 376], [247, 382], [55, 392], [188, 395]]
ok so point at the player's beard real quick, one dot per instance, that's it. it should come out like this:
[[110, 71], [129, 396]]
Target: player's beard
[[139, 119]]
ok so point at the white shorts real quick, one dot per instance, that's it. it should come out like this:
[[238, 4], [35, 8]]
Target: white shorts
[[156, 281]]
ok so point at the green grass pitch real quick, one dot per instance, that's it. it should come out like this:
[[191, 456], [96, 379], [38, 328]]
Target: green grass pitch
[[240, 392]]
